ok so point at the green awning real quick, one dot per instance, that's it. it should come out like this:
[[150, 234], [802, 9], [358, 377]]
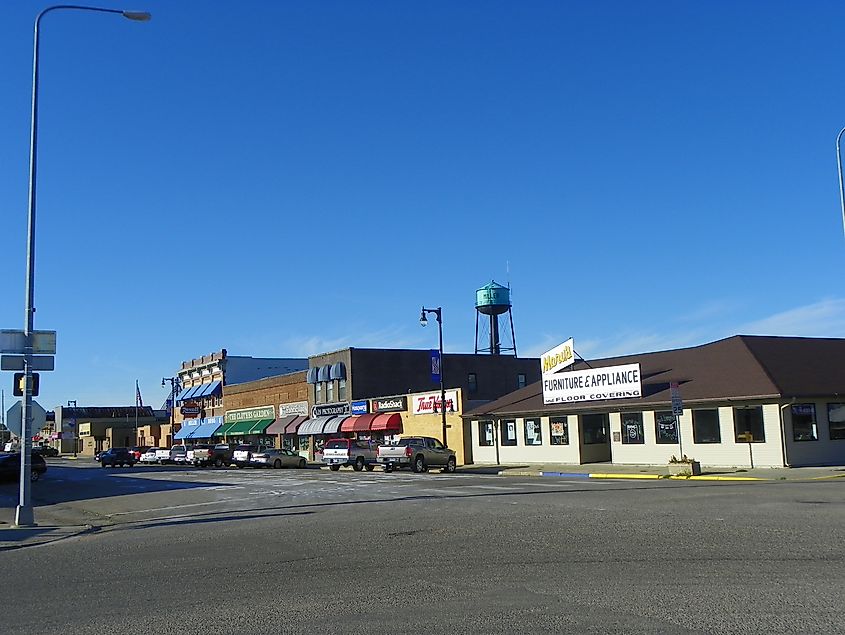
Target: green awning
[[224, 430], [240, 427], [260, 426]]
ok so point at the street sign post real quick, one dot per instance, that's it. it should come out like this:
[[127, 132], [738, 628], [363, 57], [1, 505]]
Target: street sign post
[[678, 411], [14, 341]]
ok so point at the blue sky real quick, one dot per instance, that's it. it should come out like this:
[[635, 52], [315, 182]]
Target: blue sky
[[283, 179]]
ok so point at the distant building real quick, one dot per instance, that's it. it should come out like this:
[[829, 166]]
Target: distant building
[[95, 428]]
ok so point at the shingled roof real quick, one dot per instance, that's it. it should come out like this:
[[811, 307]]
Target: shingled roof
[[742, 367]]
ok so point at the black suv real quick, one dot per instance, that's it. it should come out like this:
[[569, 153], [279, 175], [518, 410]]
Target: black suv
[[10, 466], [116, 457]]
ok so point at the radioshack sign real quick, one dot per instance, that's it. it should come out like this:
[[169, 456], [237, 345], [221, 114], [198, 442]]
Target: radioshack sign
[[593, 384]]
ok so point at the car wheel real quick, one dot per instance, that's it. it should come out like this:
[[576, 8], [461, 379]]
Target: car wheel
[[451, 465], [388, 467], [419, 464], [334, 468], [359, 464], [370, 467], [301, 465], [277, 464], [34, 476]]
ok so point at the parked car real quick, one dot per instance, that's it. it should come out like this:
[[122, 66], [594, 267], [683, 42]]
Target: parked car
[[150, 456], [205, 454], [242, 455], [358, 454], [276, 458], [117, 457], [179, 454], [10, 466], [138, 450], [417, 453], [45, 450]]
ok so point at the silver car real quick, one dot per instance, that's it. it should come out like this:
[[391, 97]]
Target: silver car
[[276, 458]]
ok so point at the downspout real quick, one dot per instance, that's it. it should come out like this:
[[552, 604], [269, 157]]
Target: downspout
[[783, 432]]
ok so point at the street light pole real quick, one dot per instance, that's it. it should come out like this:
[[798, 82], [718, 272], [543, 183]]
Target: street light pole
[[438, 314], [841, 182], [175, 387], [23, 514]]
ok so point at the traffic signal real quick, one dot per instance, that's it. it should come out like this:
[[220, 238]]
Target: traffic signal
[[19, 384]]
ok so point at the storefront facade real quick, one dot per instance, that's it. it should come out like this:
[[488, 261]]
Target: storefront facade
[[248, 425], [740, 402]]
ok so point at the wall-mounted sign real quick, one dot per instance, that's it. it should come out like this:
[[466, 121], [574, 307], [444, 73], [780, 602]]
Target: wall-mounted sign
[[250, 414], [430, 403], [593, 384], [293, 408], [390, 404], [559, 357], [190, 409], [330, 409], [360, 407]]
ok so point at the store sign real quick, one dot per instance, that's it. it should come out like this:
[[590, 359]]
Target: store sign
[[190, 409], [330, 409], [593, 384], [390, 404], [559, 357], [360, 407], [294, 408], [430, 403], [250, 414]]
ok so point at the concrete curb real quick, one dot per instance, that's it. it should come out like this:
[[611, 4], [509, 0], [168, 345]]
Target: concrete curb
[[40, 535], [628, 476], [631, 477]]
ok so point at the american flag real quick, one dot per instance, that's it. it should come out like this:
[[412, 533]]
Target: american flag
[[138, 401]]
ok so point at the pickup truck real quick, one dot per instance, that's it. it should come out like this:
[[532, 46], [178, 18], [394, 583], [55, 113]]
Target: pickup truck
[[358, 454], [163, 455], [242, 456], [218, 455], [417, 453]]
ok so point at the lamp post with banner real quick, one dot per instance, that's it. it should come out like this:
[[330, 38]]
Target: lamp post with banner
[[438, 315]]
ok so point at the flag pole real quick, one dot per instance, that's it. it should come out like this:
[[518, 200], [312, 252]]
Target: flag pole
[[137, 394]]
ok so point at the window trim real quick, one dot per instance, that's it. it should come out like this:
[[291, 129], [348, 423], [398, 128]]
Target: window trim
[[840, 424], [564, 421], [753, 439], [814, 425], [640, 425], [482, 437], [539, 431], [695, 436], [503, 438]]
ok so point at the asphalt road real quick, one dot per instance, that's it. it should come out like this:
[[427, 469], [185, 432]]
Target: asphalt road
[[243, 551]]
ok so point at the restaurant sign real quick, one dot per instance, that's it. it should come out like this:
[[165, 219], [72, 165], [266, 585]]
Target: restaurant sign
[[330, 409], [593, 384], [250, 414], [390, 404], [430, 403]]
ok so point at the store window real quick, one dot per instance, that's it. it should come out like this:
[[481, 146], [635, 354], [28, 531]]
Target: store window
[[330, 392], [665, 427], [836, 420], [595, 428], [632, 428], [318, 393], [748, 425], [705, 426], [485, 433], [533, 436], [804, 427], [341, 390], [559, 428], [507, 432], [521, 380], [472, 383]]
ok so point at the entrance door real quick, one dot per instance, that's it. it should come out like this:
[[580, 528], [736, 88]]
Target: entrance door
[[595, 438]]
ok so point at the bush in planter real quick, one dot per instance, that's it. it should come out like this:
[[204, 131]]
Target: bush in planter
[[684, 466]]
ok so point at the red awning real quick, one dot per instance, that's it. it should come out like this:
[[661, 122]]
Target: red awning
[[391, 421]]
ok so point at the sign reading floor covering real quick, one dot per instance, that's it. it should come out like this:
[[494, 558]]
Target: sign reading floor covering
[[593, 384]]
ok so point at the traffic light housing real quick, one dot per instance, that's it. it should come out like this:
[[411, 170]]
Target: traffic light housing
[[19, 384]]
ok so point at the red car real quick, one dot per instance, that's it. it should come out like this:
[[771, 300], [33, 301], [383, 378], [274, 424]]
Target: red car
[[138, 450]]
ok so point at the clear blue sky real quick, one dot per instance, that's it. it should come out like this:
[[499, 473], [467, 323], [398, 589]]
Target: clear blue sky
[[283, 179]]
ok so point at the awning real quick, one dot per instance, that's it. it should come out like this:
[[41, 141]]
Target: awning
[[389, 421], [334, 424], [185, 391], [260, 426], [201, 391], [213, 388], [190, 393], [203, 431], [224, 430], [337, 371], [359, 423], [281, 425], [311, 376], [325, 373], [313, 426], [184, 432]]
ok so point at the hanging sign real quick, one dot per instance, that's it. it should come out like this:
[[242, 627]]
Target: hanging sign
[[593, 384]]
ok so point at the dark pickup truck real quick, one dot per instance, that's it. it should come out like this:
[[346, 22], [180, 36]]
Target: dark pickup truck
[[203, 455]]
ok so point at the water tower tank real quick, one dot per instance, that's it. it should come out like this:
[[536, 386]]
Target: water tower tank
[[493, 299]]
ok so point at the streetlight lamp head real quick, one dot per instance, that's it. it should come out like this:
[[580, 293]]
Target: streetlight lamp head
[[423, 319], [138, 16], [162, 383]]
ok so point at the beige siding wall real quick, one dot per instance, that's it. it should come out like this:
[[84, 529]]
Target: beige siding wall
[[522, 453], [822, 451]]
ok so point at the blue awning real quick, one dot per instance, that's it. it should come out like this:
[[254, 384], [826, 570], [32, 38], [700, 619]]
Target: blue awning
[[201, 391], [204, 431], [185, 432], [338, 371], [188, 395], [311, 377], [182, 394], [325, 373], [213, 387]]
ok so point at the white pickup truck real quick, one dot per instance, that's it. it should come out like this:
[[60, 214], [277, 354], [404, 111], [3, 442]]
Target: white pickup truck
[[417, 453], [358, 454]]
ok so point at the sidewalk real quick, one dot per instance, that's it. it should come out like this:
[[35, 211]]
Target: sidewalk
[[611, 471]]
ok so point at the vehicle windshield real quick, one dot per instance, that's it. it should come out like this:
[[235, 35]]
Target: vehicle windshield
[[334, 444]]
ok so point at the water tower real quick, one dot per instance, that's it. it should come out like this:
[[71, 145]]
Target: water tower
[[494, 301]]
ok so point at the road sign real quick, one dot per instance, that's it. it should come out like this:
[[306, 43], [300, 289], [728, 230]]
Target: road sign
[[14, 341], [14, 416], [677, 402], [19, 385], [39, 362]]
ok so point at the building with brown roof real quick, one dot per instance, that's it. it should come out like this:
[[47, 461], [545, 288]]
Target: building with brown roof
[[746, 401]]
